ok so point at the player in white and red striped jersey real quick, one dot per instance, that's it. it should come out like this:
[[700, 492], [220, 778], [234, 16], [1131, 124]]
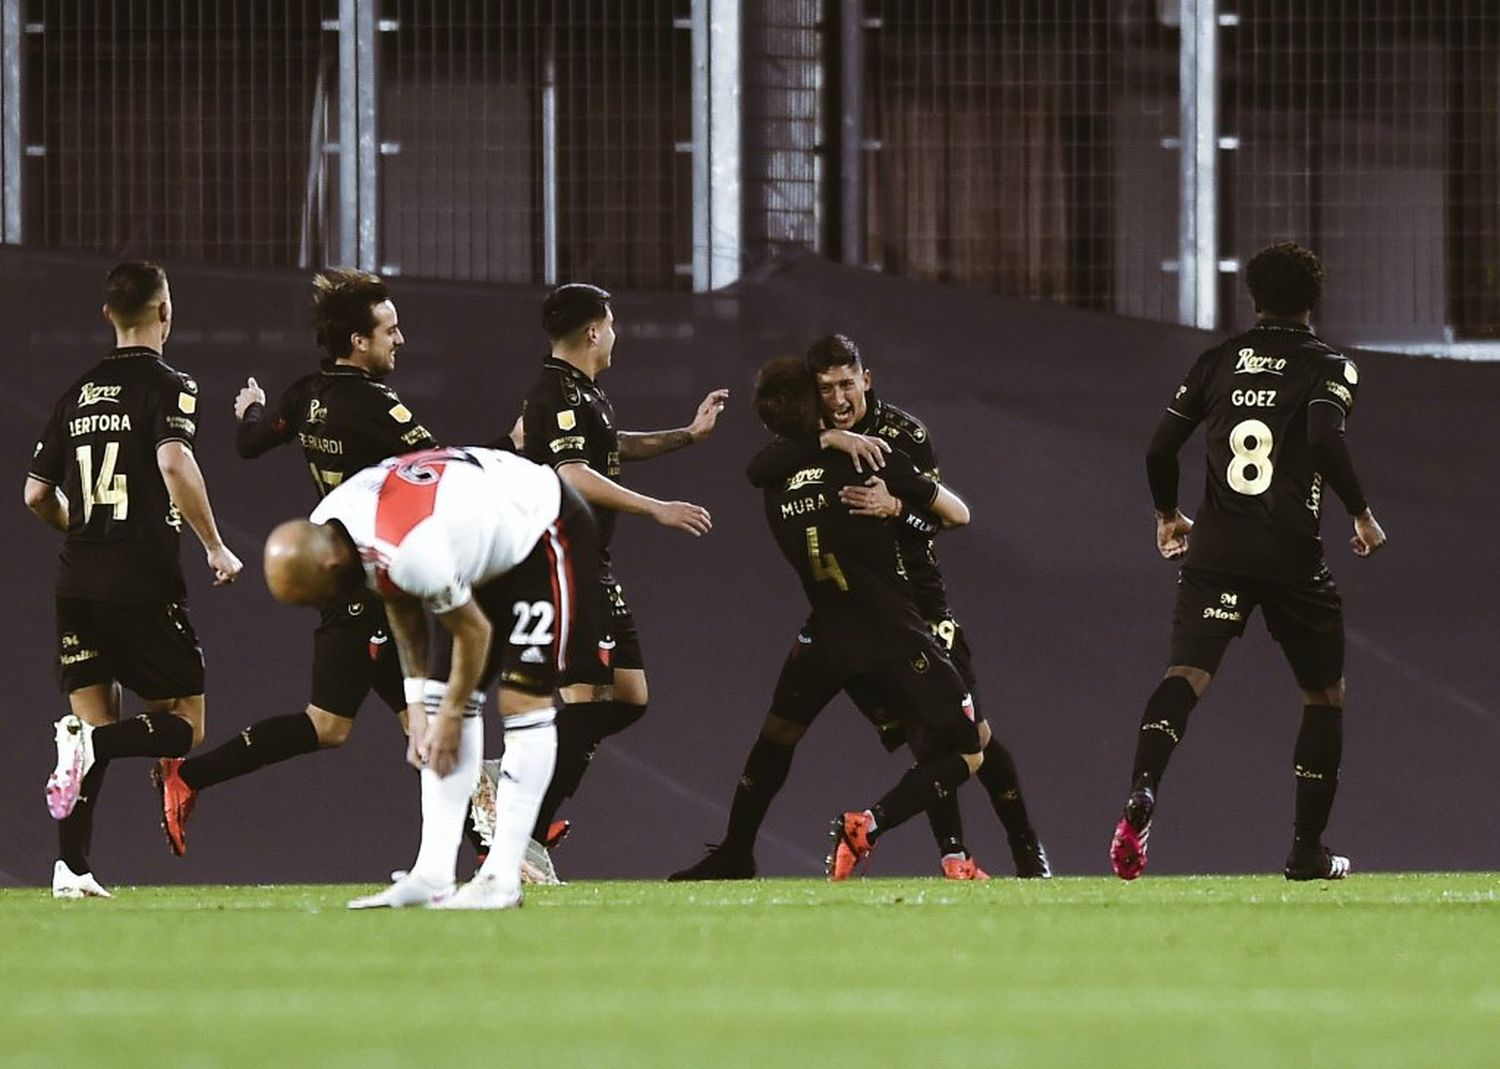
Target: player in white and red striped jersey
[[482, 540]]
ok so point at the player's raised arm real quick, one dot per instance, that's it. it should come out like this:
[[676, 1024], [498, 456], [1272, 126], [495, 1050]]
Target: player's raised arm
[[643, 445]]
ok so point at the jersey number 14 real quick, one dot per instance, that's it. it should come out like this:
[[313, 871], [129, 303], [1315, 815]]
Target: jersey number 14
[[107, 489]]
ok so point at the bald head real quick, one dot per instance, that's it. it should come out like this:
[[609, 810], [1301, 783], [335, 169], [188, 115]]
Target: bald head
[[308, 563]]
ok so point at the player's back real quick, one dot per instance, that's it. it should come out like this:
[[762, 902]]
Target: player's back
[[100, 447], [849, 566], [1263, 492]]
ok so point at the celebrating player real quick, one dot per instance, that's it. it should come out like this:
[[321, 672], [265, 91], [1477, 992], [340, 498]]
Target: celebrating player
[[570, 425], [345, 418], [114, 470], [485, 541], [1273, 402], [849, 407]]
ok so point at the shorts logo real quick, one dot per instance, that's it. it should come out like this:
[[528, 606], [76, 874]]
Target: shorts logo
[[532, 655], [89, 394], [1229, 599], [920, 664], [187, 403], [1213, 612], [567, 420], [400, 413]]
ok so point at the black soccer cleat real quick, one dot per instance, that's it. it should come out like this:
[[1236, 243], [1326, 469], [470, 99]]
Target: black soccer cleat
[[1316, 863], [720, 863], [1030, 857]]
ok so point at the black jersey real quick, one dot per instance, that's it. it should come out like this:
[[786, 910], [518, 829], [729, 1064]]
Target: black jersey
[[100, 446], [863, 609], [1263, 494], [568, 419], [345, 420]]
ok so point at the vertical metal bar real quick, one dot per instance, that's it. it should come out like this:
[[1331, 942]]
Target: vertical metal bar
[[724, 215], [851, 131], [549, 159], [702, 194], [358, 149], [10, 126], [1198, 245]]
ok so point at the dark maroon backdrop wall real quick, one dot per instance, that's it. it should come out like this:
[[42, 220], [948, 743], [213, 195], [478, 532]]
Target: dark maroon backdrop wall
[[1040, 415]]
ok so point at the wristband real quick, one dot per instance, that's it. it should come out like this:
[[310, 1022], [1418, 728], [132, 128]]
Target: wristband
[[413, 686]]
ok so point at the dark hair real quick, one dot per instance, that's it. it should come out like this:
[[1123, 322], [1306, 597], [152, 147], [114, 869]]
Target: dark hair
[[572, 307], [786, 398], [344, 303], [130, 289], [832, 350], [1285, 279]]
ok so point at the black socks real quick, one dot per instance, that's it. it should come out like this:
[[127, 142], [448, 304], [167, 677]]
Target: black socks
[[1162, 726], [75, 832], [765, 771], [144, 735], [275, 739], [581, 727], [1320, 746], [918, 790]]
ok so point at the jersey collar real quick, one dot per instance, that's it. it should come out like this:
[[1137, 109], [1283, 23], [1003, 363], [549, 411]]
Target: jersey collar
[[125, 352], [558, 364], [871, 417], [1277, 323], [333, 367]]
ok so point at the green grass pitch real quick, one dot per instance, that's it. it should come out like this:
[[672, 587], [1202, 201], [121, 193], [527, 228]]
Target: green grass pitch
[[1381, 970]]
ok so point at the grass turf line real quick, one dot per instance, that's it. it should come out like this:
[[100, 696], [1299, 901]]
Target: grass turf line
[[1382, 970]]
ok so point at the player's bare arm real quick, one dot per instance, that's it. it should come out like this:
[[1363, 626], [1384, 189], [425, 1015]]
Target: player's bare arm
[[875, 499], [643, 445], [408, 621], [184, 481], [471, 632], [603, 491], [47, 503], [865, 450]]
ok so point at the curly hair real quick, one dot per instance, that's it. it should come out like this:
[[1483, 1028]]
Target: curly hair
[[786, 398], [1285, 279]]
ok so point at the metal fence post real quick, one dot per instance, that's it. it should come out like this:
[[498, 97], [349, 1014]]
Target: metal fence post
[[358, 147], [1198, 233], [716, 144], [10, 122]]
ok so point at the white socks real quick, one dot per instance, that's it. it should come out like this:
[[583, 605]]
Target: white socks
[[525, 773], [445, 805]]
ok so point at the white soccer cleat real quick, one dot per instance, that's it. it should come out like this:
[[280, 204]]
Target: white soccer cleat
[[409, 890], [75, 756], [482, 804], [536, 866], [68, 884], [484, 891]]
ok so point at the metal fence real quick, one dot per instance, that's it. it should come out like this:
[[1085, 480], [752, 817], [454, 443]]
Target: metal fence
[[1123, 155]]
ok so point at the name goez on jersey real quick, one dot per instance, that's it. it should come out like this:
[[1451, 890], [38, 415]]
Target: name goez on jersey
[[1252, 395]]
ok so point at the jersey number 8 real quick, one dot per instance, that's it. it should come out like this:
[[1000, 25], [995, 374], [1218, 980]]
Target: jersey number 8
[[108, 489], [1250, 469]]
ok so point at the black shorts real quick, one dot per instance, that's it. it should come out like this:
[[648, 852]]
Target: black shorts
[[545, 612], [150, 649], [950, 636], [919, 700], [1306, 619], [619, 645], [354, 654]]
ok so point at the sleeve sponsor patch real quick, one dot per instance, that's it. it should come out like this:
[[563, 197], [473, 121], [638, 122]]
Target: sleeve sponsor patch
[[567, 420], [1340, 391], [178, 423], [187, 403], [400, 413], [572, 441]]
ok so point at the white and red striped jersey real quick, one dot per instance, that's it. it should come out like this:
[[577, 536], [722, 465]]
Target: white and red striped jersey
[[436, 524]]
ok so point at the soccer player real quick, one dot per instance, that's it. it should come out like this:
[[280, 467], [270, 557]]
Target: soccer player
[[849, 406], [114, 471], [865, 633], [1273, 402], [346, 419], [570, 425], [492, 545]]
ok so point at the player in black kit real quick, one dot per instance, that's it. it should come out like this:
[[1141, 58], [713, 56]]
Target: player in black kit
[[569, 424], [1273, 402], [345, 418], [848, 406], [865, 633], [114, 470]]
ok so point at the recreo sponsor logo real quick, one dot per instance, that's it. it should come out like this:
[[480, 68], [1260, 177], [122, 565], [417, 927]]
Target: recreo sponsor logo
[[1250, 364], [803, 478], [89, 394]]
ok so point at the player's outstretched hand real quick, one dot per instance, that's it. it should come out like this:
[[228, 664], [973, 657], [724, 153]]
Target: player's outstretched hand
[[250, 394], [224, 564], [708, 415], [1368, 534], [684, 516], [865, 450], [871, 499], [1172, 534], [442, 743]]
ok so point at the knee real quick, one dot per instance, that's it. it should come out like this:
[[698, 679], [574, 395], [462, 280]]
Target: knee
[[1333, 695], [333, 730], [782, 732], [1196, 678], [973, 760], [985, 734]]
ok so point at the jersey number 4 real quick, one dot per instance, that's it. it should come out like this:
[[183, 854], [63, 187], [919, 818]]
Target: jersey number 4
[[825, 566], [107, 489], [1250, 468]]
